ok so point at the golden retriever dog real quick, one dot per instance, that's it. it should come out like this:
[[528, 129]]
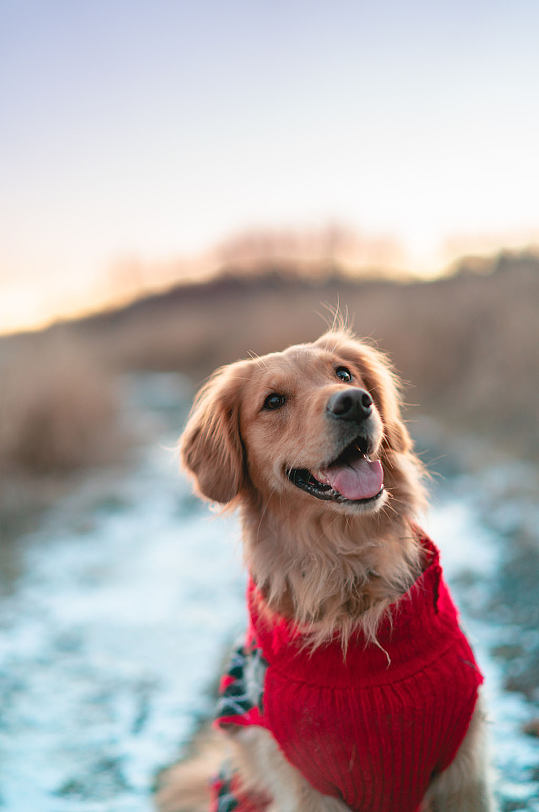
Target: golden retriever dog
[[354, 687]]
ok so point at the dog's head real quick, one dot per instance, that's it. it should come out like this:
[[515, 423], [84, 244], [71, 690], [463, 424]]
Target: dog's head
[[318, 422]]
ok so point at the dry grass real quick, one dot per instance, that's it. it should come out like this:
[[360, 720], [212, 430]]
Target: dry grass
[[468, 342], [57, 409]]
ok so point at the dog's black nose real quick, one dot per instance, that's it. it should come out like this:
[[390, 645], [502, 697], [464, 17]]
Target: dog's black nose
[[352, 404]]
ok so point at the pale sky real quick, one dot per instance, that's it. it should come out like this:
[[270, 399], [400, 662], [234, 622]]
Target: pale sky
[[152, 130]]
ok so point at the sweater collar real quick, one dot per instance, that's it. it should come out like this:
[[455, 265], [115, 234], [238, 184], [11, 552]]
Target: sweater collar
[[408, 637]]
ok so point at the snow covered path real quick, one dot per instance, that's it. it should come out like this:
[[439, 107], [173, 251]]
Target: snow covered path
[[114, 631]]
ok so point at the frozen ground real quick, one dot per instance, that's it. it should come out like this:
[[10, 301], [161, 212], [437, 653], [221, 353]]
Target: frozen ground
[[117, 612]]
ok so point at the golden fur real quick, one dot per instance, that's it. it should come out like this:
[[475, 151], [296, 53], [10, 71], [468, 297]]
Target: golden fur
[[331, 566]]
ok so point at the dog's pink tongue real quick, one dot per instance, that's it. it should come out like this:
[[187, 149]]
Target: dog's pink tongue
[[360, 480]]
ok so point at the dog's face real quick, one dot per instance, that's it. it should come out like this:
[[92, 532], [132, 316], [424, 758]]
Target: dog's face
[[317, 422]]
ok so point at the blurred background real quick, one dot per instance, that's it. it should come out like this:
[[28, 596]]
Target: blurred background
[[183, 184]]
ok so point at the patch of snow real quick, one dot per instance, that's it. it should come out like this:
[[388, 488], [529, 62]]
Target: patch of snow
[[466, 546], [109, 643]]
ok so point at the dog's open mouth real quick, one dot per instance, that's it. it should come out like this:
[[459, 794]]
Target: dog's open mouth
[[352, 477]]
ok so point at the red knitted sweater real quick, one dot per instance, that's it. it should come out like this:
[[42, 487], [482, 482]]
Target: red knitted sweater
[[370, 733]]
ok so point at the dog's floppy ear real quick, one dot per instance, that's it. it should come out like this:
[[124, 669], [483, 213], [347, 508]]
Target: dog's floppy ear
[[382, 383], [211, 447]]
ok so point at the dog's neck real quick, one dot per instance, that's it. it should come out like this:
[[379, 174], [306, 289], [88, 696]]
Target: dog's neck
[[327, 571]]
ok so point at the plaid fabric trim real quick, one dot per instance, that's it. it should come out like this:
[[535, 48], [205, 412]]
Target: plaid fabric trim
[[224, 798], [242, 685], [240, 702], [227, 797]]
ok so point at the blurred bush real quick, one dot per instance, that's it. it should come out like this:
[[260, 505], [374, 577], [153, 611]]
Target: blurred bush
[[58, 409]]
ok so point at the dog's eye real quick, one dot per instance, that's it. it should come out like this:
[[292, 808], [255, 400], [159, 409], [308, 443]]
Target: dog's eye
[[344, 374], [274, 402]]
